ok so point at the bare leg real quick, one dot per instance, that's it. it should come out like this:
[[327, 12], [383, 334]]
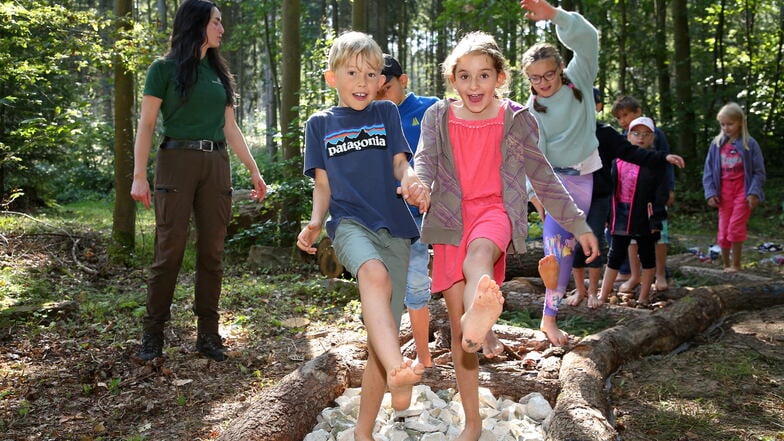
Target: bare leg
[[645, 286], [737, 253], [607, 287], [634, 265], [579, 284], [594, 274], [725, 259], [373, 388], [420, 327], [482, 299], [661, 267], [375, 292], [466, 364]]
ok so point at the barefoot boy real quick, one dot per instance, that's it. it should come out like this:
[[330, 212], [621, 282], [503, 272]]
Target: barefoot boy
[[356, 153]]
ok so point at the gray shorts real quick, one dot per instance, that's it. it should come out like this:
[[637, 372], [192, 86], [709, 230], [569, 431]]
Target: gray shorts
[[355, 244]]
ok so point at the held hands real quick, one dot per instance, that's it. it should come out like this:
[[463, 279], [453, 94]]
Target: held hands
[[590, 246], [713, 202], [308, 236], [140, 192], [415, 192], [537, 10]]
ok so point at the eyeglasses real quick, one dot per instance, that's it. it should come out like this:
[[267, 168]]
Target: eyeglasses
[[637, 134], [549, 75]]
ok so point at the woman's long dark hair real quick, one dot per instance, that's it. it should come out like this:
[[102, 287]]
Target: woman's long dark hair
[[187, 37]]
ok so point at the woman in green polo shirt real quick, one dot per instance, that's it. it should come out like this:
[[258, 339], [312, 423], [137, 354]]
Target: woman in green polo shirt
[[193, 91]]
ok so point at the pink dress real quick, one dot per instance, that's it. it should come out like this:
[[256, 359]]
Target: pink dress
[[476, 146]]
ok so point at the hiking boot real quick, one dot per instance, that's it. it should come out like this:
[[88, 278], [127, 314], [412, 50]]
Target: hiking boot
[[152, 346], [211, 345]]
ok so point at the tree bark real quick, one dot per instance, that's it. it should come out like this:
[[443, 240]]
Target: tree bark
[[124, 216]]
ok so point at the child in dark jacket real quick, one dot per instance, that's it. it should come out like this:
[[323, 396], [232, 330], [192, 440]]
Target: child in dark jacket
[[638, 209]]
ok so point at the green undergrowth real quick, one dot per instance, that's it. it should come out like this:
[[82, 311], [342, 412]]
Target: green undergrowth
[[575, 325]]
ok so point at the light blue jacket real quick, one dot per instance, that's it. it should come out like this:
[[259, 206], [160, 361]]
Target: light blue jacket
[[567, 130]]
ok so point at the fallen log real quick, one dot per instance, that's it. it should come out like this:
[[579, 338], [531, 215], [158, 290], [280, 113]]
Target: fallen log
[[289, 410], [581, 410]]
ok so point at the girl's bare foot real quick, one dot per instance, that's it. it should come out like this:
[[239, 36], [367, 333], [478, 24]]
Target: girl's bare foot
[[482, 314], [661, 284], [596, 301], [555, 335], [548, 271], [575, 299], [731, 269], [492, 345], [629, 285], [401, 380]]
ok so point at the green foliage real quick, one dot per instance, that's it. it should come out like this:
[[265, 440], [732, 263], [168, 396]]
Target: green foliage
[[576, 325], [55, 138]]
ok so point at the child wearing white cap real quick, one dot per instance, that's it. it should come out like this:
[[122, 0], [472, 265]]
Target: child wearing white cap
[[638, 209]]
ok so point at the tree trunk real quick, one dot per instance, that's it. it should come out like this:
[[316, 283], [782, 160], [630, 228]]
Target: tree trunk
[[683, 85], [289, 119], [359, 21], [662, 67], [124, 217]]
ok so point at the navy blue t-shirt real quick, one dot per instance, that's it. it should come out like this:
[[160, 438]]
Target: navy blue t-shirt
[[356, 148]]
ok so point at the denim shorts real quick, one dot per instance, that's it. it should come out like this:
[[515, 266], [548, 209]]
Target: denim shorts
[[355, 244], [418, 281]]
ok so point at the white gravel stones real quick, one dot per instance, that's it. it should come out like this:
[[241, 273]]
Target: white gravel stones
[[436, 417]]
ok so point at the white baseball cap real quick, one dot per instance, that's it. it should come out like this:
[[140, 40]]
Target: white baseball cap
[[642, 121]]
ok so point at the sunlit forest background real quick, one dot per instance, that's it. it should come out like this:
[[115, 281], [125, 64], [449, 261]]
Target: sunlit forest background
[[71, 74]]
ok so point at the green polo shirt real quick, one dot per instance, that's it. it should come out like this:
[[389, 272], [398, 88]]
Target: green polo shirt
[[201, 116]]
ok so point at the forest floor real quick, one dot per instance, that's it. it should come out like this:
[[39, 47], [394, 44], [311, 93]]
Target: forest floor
[[68, 369]]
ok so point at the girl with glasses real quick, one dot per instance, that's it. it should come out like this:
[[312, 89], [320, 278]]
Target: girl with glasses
[[567, 125]]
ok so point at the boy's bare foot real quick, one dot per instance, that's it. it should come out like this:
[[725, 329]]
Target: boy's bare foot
[[596, 301], [629, 285], [548, 271], [492, 346], [575, 299], [482, 314], [555, 335], [401, 380], [470, 434], [358, 437], [661, 284]]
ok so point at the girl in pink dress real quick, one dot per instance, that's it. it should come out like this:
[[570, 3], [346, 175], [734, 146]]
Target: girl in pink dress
[[475, 153]]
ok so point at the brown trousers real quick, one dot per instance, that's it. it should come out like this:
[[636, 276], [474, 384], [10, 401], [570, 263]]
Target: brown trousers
[[198, 182]]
